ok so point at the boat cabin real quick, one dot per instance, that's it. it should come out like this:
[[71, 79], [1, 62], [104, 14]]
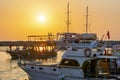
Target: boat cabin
[[75, 39], [92, 67]]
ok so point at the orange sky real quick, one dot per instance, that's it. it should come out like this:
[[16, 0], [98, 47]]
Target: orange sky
[[19, 18]]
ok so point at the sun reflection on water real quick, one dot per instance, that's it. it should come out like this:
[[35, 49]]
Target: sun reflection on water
[[9, 69]]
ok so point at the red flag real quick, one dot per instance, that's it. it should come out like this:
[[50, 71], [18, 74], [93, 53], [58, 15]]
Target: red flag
[[108, 35]]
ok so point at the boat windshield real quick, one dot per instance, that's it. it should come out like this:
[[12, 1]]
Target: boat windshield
[[69, 62]]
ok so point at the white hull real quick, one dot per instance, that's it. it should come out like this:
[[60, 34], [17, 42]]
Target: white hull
[[55, 75], [36, 75], [52, 73]]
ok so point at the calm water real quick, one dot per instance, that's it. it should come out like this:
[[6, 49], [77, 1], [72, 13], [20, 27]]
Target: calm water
[[9, 69]]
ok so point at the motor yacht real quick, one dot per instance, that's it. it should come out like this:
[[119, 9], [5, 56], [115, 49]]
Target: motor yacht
[[75, 65]]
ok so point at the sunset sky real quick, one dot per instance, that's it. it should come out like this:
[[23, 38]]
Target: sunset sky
[[20, 18]]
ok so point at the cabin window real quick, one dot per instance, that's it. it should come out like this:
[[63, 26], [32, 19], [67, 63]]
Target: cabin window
[[69, 62], [40, 68], [74, 49], [54, 70], [32, 67]]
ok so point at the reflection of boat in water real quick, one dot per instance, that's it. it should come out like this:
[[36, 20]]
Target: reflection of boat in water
[[76, 66]]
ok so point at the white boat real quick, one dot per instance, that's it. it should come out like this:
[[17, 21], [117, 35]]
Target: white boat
[[76, 39], [81, 40], [76, 66]]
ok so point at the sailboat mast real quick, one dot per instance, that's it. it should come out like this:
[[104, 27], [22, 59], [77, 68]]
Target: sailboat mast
[[87, 20], [68, 21]]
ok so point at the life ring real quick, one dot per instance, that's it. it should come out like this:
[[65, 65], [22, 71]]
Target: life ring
[[87, 52]]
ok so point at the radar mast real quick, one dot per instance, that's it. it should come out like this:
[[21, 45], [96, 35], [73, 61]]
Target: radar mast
[[86, 19], [68, 20]]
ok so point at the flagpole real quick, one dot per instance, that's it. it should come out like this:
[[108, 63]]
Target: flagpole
[[107, 35]]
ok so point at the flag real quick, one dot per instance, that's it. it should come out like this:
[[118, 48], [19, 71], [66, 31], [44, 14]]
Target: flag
[[108, 35]]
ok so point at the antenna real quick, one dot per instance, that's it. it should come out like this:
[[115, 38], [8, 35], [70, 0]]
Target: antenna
[[86, 19], [68, 21]]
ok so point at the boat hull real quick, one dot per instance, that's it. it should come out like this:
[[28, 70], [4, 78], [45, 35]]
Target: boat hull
[[32, 55], [50, 75], [36, 75]]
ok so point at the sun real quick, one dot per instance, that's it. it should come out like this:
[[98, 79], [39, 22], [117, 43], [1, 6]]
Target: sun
[[42, 18]]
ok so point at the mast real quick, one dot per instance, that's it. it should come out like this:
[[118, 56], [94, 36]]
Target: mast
[[86, 19], [68, 21]]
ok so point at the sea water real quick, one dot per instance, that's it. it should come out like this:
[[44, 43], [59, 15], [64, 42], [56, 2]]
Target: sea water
[[9, 70]]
